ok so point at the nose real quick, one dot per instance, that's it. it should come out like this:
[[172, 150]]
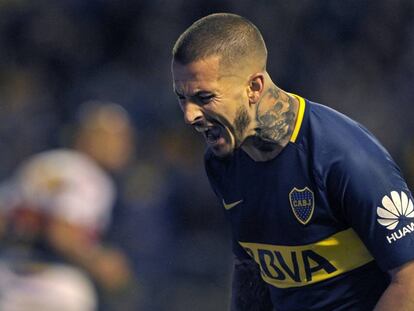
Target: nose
[[192, 113]]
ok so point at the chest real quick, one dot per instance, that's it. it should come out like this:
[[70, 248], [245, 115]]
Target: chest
[[278, 202]]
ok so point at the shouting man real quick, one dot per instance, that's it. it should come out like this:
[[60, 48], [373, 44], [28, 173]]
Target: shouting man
[[321, 217]]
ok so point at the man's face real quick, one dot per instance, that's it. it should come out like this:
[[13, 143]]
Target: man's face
[[214, 103]]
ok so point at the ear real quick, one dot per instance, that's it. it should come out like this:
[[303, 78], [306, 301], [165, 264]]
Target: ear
[[255, 88]]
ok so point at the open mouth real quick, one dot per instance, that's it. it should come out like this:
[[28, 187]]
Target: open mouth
[[211, 133]]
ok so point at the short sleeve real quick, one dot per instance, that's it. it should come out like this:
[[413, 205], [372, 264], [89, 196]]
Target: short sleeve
[[368, 189]]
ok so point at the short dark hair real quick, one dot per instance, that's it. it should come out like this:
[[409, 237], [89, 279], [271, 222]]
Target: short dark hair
[[226, 35]]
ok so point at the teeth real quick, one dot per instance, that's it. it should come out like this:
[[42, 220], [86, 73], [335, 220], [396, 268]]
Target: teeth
[[201, 129], [211, 132]]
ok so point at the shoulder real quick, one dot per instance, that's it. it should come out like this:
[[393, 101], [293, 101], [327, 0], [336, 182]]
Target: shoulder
[[337, 137], [344, 152], [336, 128]]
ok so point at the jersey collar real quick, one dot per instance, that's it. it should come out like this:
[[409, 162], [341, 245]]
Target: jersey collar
[[301, 113]]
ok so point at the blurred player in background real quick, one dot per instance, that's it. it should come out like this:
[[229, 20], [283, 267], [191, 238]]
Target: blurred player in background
[[54, 212], [321, 217]]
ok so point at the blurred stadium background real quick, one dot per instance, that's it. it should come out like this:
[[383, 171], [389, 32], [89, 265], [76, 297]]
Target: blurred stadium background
[[355, 56]]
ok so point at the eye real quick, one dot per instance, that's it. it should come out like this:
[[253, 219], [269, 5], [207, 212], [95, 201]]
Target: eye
[[180, 98], [205, 99], [179, 95]]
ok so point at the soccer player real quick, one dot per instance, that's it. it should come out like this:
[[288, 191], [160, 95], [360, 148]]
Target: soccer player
[[54, 212], [321, 218]]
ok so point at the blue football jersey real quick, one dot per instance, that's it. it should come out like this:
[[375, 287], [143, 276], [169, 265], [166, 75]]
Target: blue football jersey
[[325, 219]]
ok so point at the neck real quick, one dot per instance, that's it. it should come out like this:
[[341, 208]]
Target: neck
[[276, 113]]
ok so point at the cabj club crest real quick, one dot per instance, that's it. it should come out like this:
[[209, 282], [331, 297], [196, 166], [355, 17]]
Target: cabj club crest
[[302, 202]]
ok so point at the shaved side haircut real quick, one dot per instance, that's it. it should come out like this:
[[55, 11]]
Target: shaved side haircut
[[231, 37]]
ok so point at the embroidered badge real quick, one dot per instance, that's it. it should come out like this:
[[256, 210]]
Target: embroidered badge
[[302, 202]]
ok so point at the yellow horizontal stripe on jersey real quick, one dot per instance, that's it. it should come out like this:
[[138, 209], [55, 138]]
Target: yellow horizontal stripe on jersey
[[299, 119], [294, 266]]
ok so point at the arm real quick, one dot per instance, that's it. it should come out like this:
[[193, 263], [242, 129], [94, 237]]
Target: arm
[[399, 294], [249, 291], [108, 267]]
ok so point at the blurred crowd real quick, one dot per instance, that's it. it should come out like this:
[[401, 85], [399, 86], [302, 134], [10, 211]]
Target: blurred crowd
[[55, 55]]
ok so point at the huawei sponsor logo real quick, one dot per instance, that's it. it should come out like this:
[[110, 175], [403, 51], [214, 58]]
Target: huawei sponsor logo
[[396, 208]]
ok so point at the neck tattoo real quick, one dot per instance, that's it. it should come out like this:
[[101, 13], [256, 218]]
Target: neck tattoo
[[275, 125]]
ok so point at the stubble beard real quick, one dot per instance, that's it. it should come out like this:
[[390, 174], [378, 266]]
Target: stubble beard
[[241, 123]]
